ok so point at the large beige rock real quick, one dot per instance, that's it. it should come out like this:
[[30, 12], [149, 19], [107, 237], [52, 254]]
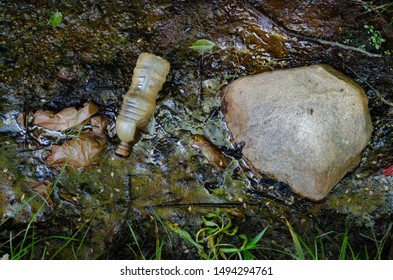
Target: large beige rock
[[304, 126]]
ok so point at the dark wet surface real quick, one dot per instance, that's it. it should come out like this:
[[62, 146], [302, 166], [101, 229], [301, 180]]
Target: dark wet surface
[[173, 174]]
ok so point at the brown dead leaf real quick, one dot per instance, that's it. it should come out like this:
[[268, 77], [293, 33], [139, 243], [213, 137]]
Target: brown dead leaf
[[21, 119], [99, 124], [67, 118], [210, 152], [44, 188], [85, 152]]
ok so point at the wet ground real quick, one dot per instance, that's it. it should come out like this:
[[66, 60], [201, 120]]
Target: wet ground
[[175, 172]]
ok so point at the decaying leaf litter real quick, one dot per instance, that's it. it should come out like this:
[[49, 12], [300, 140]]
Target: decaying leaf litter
[[66, 73]]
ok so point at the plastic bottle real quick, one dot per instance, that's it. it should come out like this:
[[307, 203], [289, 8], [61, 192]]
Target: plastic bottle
[[140, 101]]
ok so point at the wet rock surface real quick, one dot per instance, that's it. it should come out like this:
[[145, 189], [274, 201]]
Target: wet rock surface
[[304, 126], [183, 165]]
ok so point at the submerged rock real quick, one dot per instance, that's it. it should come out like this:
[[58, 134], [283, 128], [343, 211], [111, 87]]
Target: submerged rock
[[305, 126]]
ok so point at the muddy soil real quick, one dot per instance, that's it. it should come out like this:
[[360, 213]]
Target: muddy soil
[[172, 175]]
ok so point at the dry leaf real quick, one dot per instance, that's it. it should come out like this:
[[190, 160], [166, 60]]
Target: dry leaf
[[211, 152], [44, 188], [21, 119], [99, 124], [67, 118], [84, 153]]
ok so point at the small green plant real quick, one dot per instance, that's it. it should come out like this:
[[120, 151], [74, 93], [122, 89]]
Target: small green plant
[[203, 46], [213, 240], [27, 248], [362, 47], [303, 251], [140, 254], [55, 19], [375, 36], [367, 8]]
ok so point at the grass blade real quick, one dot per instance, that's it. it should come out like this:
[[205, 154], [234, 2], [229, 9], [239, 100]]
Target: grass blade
[[136, 240], [296, 242]]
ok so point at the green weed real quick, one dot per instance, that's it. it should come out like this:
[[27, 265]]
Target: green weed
[[375, 37], [216, 237]]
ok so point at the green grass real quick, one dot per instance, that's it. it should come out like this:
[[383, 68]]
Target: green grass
[[138, 254], [23, 246], [302, 251]]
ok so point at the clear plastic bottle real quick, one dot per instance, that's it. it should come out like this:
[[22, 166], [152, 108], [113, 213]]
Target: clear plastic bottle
[[140, 101]]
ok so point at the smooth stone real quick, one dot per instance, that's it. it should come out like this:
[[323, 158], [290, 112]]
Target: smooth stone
[[304, 126]]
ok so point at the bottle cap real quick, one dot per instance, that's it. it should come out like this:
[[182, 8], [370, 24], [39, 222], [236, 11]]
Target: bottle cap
[[123, 149]]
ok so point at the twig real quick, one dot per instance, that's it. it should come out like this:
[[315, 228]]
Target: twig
[[337, 44]]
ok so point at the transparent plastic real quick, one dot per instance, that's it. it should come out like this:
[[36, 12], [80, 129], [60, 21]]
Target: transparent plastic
[[140, 100]]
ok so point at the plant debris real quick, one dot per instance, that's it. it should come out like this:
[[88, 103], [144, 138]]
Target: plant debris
[[67, 118], [80, 152], [210, 152], [44, 188]]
